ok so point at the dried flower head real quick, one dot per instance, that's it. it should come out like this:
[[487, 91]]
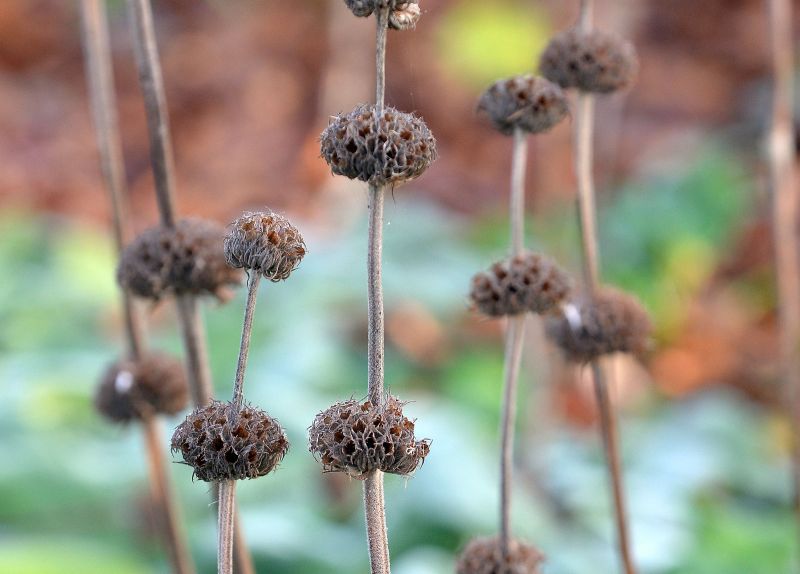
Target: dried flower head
[[403, 14], [185, 259], [609, 322], [133, 390], [591, 61], [357, 438], [484, 556], [223, 443], [266, 243], [530, 103], [525, 283], [380, 149]]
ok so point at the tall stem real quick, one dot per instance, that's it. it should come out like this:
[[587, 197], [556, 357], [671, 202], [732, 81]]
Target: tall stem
[[785, 213], [227, 505], [104, 110], [247, 330], [583, 137], [161, 156], [374, 505], [517, 208]]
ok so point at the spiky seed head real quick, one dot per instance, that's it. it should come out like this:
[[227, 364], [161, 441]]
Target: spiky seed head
[[386, 148], [266, 243], [221, 442], [134, 390], [591, 61], [403, 14], [530, 103], [357, 437], [185, 259], [609, 322], [529, 282], [484, 556]]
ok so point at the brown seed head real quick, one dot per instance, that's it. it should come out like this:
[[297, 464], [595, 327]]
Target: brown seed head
[[530, 103], [266, 243], [357, 438], [185, 259], [403, 14], [223, 443], [484, 556], [525, 283], [386, 149], [592, 61], [134, 390], [610, 322]]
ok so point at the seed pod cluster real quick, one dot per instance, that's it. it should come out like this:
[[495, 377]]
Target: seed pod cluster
[[609, 322], [266, 243], [591, 61], [484, 556], [221, 442], [357, 438], [403, 14], [185, 259], [529, 282], [133, 390], [530, 103], [386, 148]]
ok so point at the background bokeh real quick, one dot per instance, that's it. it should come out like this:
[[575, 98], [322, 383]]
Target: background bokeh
[[684, 224]]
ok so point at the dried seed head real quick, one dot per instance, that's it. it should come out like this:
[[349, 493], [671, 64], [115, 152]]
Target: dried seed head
[[484, 556], [185, 259], [357, 438], [223, 443], [266, 243], [529, 103], [591, 61], [391, 148], [610, 322], [525, 283], [134, 390], [403, 14]]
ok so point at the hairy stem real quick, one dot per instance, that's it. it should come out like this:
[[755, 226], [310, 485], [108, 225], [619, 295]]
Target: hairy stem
[[253, 280], [227, 515], [583, 137], [374, 505], [161, 156], [785, 213], [101, 90]]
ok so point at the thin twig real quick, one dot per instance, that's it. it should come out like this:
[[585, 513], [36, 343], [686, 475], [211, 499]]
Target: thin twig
[[785, 213], [227, 505], [247, 330], [374, 504], [101, 89], [517, 207], [161, 156], [583, 138]]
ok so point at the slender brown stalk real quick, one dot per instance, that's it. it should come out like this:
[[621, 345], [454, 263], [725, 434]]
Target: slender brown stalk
[[785, 213], [101, 89], [583, 138], [374, 504], [253, 281], [161, 156]]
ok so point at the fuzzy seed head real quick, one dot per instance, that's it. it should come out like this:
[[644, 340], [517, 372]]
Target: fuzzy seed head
[[610, 322], [388, 148], [403, 14], [484, 556], [591, 61], [134, 390], [266, 243], [357, 438], [529, 282], [180, 260], [530, 103], [223, 443]]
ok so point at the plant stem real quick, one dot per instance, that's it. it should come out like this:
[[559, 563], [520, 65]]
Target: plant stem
[[374, 505], [253, 280], [227, 515], [583, 137], [101, 89], [785, 213], [161, 156], [517, 207]]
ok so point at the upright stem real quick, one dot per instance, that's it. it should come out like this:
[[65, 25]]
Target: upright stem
[[583, 137], [517, 209], [227, 506], [253, 280], [374, 505], [785, 213], [161, 156], [104, 110]]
